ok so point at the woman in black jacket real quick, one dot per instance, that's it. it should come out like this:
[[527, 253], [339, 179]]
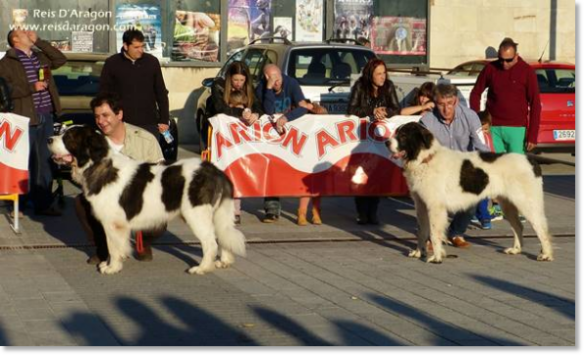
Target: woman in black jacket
[[374, 96], [238, 79]]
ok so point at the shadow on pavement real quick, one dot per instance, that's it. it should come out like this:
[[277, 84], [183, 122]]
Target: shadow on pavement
[[560, 304], [351, 333], [563, 186], [445, 334], [200, 328]]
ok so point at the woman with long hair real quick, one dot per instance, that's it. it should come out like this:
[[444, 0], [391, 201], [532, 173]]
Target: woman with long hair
[[374, 96], [238, 79]]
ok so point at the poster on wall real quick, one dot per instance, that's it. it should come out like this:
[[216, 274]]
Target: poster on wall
[[82, 41], [239, 24], [392, 35], [145, 18], [196, 36], [309, 20], [249, 20], [283, 27], [260, 19], [352, 19]]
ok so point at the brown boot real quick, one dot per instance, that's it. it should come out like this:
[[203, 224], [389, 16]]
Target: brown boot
[[302, 217], [316, 218]]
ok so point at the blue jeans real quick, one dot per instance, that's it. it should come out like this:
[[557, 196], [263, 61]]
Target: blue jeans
[[40, 165], [482, 212], [460, 223]]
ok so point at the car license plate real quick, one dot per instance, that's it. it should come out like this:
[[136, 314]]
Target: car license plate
[[564, 134], [335, 108]]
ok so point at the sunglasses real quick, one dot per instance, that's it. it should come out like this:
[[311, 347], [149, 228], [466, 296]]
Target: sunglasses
[[508, 60]]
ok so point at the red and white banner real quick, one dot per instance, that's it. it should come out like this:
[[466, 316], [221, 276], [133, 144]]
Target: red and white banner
[[321, 155], [14, 153]]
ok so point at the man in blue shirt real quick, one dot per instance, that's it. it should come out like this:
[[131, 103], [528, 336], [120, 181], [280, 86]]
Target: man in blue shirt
[[282, 97], [458, 128]]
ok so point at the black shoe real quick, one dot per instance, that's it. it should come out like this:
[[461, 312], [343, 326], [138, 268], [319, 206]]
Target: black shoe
[[361, 221], [237, 219], [374, 221], [270, 218]]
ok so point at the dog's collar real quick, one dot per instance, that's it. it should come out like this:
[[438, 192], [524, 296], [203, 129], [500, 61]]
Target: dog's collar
[[427, 159]]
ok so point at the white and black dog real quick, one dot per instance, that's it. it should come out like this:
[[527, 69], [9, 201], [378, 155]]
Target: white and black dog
[[442, 180], [130, 195]]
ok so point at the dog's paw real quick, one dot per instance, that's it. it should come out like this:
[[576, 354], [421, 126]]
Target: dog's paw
[[199, 270], [545, 257], [111, 269], [222, 265], [512, 251], [102, 265], [416, 253], [435, 259]]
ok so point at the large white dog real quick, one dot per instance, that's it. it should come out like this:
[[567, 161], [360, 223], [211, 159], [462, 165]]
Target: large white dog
[[442, 180], [130, 195]]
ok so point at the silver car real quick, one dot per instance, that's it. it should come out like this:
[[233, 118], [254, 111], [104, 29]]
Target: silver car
[[324, 70]]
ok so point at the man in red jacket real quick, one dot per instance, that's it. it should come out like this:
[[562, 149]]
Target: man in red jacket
[[513, 100]]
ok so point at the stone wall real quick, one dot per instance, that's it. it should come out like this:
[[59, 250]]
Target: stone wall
[[461, 30]]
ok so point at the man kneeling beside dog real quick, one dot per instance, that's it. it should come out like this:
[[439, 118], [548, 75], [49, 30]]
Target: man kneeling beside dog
[[133, 142]]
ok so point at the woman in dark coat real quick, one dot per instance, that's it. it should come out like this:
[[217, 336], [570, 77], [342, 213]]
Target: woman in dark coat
[[238, 79], [374, 96]]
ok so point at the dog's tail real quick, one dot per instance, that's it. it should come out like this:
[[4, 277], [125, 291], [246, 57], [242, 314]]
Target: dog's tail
[[229, 237]]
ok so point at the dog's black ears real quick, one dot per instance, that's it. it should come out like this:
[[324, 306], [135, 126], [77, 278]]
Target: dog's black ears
[[427, 137], [97, 146]]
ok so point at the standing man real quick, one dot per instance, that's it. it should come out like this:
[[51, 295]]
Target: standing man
[[458, 128], [131, 141], [137, 79], [513, 100], [281, 96], [34, 94]]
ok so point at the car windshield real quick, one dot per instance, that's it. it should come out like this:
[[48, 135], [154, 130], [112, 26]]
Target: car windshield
[[78, 78], [326, 66], [556, 80]]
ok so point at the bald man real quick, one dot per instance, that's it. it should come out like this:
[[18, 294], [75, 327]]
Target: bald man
[[282, 97]]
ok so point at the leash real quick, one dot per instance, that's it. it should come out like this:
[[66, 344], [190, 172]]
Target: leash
[[139, 243]]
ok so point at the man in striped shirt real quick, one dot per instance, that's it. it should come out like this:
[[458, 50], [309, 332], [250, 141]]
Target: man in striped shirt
[[26, 67]]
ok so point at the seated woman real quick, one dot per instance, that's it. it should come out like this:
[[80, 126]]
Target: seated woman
[[374, 96], [422, 100], [238, 79]]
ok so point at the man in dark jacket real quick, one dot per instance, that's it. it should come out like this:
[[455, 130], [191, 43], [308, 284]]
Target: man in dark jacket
[[137, 78], [34, 95]]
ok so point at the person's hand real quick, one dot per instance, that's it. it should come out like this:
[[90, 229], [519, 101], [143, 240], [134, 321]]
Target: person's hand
[[306, 105], [380, 113], [251, 120], [246, 113], [271, 81], [163, 128], [530, 146], [41, 86], [428, 106], [32, 35], [280, 123]]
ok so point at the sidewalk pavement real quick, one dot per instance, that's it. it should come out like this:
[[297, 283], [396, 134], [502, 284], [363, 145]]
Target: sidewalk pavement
[[335, 284]]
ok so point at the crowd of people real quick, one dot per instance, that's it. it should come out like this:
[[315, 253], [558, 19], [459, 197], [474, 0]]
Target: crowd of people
[[132, 111]]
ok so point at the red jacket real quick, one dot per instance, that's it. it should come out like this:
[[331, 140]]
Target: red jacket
[[512, 95]]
